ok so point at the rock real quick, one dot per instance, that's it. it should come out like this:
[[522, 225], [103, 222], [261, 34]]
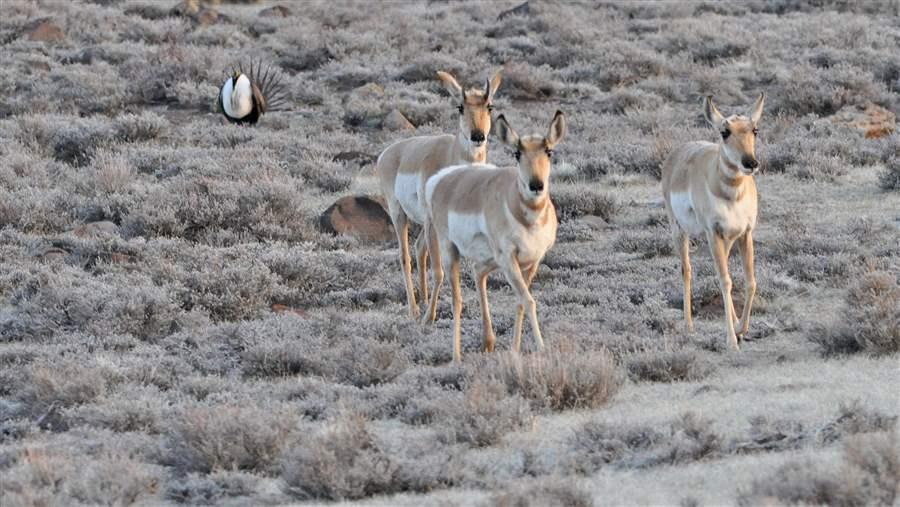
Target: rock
[[276, 11], [44, 31], [93, 229], [396, 121], [368, 91], [520, 10], [208, 17], [197, 12], [260, 28], [873, 120], [360, 216], [186, 8]]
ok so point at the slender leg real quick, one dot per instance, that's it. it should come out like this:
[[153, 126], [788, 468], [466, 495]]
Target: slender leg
[[451, 259], [520, 311], [437, 268], [682, 246], [514, 276], [719, 251], [401, 227], [422, 263], [745, 245], [481, 271]]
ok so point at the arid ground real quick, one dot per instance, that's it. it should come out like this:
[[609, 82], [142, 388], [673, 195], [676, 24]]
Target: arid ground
[[175, 328]]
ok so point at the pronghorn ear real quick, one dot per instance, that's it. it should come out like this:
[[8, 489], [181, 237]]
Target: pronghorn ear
[[711, 113], [557, 129], [490, 87], [758, 109], [505, 133], [450, 84]]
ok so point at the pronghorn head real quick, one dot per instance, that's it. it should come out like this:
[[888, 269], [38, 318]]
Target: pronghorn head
[[534, 154], [738, 135], [475, 106]]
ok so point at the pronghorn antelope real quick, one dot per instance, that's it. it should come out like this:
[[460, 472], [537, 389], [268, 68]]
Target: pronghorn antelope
[[405, 166], [500, 218], [709, 189], [245, 96]]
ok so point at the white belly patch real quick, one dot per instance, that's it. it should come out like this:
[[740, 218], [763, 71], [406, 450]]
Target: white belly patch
[[466, 231], [683, 209], [406, 189]]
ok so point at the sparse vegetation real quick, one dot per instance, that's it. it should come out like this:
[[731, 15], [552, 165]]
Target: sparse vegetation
[[176, 328], [870, 319], [867, 475]]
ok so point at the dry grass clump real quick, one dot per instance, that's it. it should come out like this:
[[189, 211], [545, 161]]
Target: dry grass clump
[[868, 474], [482, 414], [870, 321], [65, 383], [854, 418], [330, 349], [558, 378], [686, 439], [576, 202], [549, 492], [648, 243], [343, 461], [228, 487], [668, 366], [45, 476], [228, 437], [889, 178]]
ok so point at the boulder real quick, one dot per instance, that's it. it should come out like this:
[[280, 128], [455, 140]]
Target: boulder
[[208, 16], [396, 121], [358, 215], [276, 11], [872, 120], [186, 8], [44, 31], [197, 12], [366, 92]]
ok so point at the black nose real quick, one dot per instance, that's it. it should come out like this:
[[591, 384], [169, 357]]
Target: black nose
[[477, 136], [536, 185], [749, 162]]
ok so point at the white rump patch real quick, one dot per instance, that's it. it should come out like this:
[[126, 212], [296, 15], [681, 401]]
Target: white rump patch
[[683, 209]]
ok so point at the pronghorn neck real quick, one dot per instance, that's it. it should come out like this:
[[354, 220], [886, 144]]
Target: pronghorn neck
[[526, 209], [730, 178], [462, 147]]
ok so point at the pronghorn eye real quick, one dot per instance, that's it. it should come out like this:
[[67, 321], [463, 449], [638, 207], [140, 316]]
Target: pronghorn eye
[[725, 134], [755, 132], [518, 155], [460, 109], [490, 107], [549, 152]]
